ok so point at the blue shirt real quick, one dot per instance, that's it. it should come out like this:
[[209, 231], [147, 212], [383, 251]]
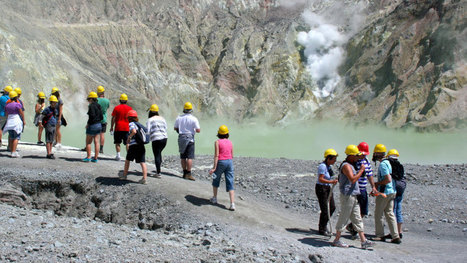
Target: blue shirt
[[383, 170], [3, 101], [323, 169], [362, 181], [53, 119]]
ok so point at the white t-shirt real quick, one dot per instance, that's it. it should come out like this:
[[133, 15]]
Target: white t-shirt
[[186, 124]]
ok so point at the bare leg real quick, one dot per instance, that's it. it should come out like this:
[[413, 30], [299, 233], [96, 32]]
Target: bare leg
[[145, 170], [14, 144], [232, 196], [189, 163], [39, 133], [58, 136], [96, 146], [214, 191], [125, 168], [48, 147], [117, 148], [102, 139], [362, 236], [338, 236], [183, 163], [88, 146]]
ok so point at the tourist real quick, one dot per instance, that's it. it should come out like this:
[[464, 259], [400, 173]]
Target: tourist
[[348, 187], [385, 204], [223, 164], [104, 103], [60, 119], [3, 99], [93, 127], [49, 121], [135, 151], [157, 129], [40, 106], [323, 190], [187, 125], [14, 124], [120, 124]]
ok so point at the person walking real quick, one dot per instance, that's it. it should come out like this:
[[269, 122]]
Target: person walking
[[93, 127], [120, 124], [3, 99], [60, 119], [40, 106], [104, 103], [367, 176], [135, 151], [348, 187], [49, 121], [323, 190], [157, 129], [187, 125], [385, 205], [223, 164], [14, 124]]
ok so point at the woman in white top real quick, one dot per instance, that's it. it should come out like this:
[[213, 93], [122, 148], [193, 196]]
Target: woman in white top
[[157, 129]]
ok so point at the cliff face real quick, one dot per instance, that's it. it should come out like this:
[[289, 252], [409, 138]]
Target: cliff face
[[239, 59]]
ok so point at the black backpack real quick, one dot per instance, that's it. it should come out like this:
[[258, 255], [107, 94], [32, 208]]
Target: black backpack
[[142, 136], [397, 169]]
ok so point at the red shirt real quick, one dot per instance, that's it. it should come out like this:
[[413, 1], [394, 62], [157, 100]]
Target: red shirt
[[121, 121]]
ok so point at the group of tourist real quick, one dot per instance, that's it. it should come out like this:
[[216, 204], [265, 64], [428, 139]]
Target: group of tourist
[[124, 127], [353, 176]]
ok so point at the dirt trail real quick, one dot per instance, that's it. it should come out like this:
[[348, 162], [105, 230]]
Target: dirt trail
[[255, 222]]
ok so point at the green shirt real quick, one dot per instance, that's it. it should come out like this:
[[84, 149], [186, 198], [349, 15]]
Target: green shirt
[[105, 103]]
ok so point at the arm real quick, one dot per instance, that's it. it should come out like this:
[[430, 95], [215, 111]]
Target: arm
[[372, 183], [60, 110], [112, 122], [176, 129], [132, 133], [38, 108], [198, 130], [216, 157], [21, 113], [349, 173], [324, 181], [387, 179]]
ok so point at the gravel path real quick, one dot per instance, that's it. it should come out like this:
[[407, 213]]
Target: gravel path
[[65, 210]]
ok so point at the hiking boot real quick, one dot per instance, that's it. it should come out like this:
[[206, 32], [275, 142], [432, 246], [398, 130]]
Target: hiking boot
[[142, 181], [232, 207], [339, 244], [213, 200], [382, 239], [396, 240], [367, 244], [188, 176]]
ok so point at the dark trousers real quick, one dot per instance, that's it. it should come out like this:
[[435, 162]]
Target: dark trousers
[[323, 192], [157, 147]]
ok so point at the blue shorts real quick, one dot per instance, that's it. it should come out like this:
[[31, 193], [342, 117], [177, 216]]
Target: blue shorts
[[226, 167], [94, 129], [14, 135]]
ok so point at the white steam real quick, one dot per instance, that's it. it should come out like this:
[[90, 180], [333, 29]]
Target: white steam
[[324, 43]]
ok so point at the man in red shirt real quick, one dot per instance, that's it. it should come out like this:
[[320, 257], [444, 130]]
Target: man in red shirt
[[120, 122]]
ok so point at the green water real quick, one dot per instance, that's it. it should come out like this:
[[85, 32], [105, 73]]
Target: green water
[[305, 140]]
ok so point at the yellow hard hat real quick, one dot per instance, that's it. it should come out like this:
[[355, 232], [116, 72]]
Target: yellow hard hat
[[188, 106], [55, 89], [379, 148], [92, 95], [330, 152], [393, 152], [41, 95], [100, 89], [352, 150], [13, 94], [7, 89], [154, 108], [123, 97], [18, 90], [223, 130], [53, 98]]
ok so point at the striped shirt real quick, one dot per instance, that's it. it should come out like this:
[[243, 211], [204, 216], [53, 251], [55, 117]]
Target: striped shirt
[[157, 128], [362, 181]]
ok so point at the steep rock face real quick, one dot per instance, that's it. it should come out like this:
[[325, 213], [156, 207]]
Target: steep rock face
[[408, 69], [239, 59]]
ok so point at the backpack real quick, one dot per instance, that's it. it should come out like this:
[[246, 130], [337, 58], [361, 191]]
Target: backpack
[[398, 175], [142, 136]]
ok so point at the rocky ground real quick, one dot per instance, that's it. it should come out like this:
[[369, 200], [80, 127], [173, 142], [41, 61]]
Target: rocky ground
[[65, 210]]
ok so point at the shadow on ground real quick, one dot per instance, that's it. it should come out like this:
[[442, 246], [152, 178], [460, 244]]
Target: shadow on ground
[[202, 201], [114, 181]]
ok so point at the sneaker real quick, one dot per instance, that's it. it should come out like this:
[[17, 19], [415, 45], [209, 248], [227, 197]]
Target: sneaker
[[84, 149], [354, 236], [50, 156], [101, 151], [213, 200], [86, 160], [324, 233], [40, 143], [15, 155], [351, 230], [122, 177], [339, 244], [367, 244], [158, 176], [232, 207], [142, 181], [58, 145], [117, 158], [93, 160], [396, 241]]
